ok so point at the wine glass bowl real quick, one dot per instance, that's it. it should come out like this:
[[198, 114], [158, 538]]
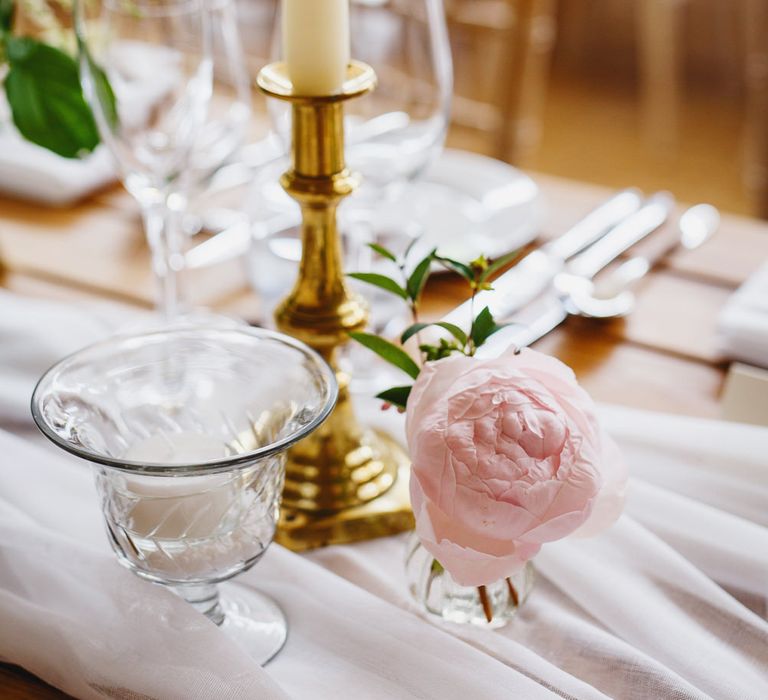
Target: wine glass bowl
[[399, 129], [147, 72], [225, 131], [188, 429]]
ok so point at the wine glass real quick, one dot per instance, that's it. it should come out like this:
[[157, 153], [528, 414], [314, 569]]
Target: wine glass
[[187, 429], [399, 129], [146, 70], [226, 128], [219, 158]]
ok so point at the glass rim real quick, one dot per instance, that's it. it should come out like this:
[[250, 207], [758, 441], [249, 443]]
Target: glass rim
[[213, 466]]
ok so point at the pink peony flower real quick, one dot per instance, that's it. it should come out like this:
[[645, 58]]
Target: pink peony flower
[[507, 455]]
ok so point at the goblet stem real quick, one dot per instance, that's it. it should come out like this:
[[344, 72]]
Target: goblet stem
[[164, 235], [203, 598]]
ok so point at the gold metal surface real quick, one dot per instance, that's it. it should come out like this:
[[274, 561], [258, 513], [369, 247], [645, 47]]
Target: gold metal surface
[[386, 515], [344, 482]]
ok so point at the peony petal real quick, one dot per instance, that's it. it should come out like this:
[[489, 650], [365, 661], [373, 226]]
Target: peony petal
[[428, 392], [555, 528], [434, 470], [477, 515], [610, 500]]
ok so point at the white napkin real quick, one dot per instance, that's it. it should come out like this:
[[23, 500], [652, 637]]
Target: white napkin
[[33, 173], [35, 334], [742, 328], [36, 174]]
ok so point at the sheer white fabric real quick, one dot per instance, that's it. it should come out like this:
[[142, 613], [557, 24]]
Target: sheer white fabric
[[669, 603], [34, 334]]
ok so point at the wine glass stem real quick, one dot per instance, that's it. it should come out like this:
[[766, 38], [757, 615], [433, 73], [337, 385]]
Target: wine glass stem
[[164, 234], [203, 598]]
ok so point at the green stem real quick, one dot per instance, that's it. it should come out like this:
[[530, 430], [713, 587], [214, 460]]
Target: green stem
[[470, 343]]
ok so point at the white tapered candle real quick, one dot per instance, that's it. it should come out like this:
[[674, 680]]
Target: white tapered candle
[[316, 44]]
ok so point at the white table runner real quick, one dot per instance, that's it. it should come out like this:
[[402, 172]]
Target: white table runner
[[640, 611], [671, 602]]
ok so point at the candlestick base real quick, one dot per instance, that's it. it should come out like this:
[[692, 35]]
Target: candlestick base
[[388, 514]]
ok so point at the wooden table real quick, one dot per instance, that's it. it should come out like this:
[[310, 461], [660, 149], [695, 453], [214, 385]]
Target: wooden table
[[662, 357]]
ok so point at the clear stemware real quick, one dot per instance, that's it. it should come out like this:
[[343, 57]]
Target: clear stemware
[[225, 131], [147, 71], [187, 429], [399, 129]]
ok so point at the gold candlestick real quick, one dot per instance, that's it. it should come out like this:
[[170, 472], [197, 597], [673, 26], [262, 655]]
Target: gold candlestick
[[344, 483]]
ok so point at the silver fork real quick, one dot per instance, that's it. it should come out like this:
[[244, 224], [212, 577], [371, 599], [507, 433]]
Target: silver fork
[[578, 296]]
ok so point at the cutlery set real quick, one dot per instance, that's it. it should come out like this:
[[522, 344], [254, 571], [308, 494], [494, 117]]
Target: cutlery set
[[533, 304]]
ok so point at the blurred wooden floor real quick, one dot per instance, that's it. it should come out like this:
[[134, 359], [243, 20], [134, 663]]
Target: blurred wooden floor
[[592, 132]]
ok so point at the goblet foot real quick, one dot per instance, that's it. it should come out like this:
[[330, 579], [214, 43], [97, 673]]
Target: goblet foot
[[250, 618], [254, 621]]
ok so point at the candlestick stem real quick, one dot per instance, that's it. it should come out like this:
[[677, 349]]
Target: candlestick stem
[[342, 483]]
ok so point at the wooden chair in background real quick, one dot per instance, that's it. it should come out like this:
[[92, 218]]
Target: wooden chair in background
[[502, 51], [755, 33]]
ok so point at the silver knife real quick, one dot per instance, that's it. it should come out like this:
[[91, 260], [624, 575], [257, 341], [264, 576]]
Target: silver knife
[[622, 237], [535, 272], [549, 311]]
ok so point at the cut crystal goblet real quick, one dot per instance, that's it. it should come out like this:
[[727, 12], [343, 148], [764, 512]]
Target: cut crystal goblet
[[187, 429]]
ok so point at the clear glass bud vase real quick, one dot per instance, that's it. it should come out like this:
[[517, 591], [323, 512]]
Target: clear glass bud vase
[[490, 606]]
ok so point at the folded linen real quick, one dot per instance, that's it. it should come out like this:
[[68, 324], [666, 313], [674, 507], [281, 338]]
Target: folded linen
[[33, 173], [742, 327]]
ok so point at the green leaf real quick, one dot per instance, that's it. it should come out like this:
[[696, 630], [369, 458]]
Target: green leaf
[[7, 12], [483, 327], [464, 270], [381, 250], [380, 281], [419, 276], [436, 567], [411, 331], [397, 395], [46, 101], [455, 331], [497, 265], [390, 352]]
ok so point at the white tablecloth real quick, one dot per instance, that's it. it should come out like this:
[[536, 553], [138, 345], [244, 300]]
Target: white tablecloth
[[670, 602]]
